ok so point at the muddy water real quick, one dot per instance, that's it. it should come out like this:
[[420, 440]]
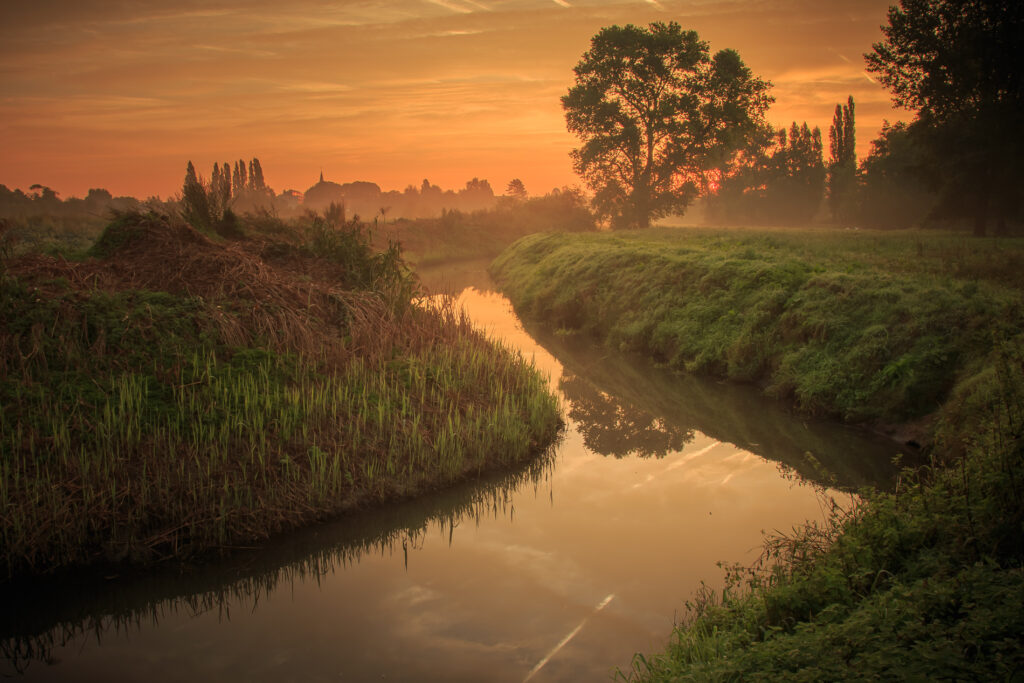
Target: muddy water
[[559, 572]]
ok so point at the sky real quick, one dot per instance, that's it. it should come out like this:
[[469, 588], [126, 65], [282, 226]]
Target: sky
[[121, 94]]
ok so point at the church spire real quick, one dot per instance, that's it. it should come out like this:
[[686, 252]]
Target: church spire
[[321, 175]]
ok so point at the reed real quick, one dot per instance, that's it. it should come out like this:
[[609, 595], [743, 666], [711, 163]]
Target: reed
[[135, 427]]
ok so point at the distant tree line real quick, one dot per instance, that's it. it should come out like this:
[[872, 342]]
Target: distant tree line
[[232, 190], [42, 200]]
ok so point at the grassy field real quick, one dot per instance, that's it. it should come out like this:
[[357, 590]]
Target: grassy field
[[923, 583], [173, 392]]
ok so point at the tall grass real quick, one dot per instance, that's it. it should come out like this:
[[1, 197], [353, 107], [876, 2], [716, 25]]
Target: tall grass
[[134, 427]]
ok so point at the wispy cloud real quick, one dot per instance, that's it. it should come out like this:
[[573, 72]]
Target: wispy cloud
[[449, 5], [397, 88]]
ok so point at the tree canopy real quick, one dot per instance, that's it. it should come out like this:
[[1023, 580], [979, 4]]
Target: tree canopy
[[779, 179], [958, 65], [658, 117]]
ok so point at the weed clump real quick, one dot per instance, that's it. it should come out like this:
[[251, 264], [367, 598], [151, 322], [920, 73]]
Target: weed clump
[[175, 394]]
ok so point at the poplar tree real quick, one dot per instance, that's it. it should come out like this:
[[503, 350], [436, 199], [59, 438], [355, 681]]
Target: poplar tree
[[195, 205], [225, 188], [237, 180], [256, 181], [842, 168]]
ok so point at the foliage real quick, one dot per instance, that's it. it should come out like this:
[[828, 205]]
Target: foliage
[[349, 245], [208, 206], [778, 181], [657, 114], [842, 166], [516, 190], [893, 193], [957, 64], [174, 395]]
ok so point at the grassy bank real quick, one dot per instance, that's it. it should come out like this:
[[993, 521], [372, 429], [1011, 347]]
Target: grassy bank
[[861, 326], [925, 583], [174, 392]]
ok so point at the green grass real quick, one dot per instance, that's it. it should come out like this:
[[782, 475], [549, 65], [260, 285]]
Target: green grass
[[924, 583], [139, 425], [853, 325]]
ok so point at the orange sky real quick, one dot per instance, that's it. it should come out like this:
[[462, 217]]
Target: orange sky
[[121, 95]]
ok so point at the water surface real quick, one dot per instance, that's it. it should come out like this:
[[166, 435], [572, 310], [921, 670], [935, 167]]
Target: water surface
[[557, 572]]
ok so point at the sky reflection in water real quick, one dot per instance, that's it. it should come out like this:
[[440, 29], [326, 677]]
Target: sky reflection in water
[[559, 573]]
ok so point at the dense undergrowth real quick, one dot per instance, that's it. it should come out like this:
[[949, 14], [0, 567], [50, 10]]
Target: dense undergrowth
[[925, 583], [174, 392]]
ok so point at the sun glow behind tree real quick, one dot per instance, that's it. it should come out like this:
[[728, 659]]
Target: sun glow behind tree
[[659, 119]]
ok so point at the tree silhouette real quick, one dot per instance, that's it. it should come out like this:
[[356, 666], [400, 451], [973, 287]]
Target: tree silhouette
[[779, 179], [958, 65], [516, 190], [655, 113], [195, 205], [256, 182], [892, 192], [842, 167]]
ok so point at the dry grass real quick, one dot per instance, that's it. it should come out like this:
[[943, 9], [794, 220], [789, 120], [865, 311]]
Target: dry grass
[[179, 394]]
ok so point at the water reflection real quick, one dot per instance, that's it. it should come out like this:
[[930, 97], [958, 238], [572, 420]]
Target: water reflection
[[42, 615], [560, 571], [613, 427], [627, 406]]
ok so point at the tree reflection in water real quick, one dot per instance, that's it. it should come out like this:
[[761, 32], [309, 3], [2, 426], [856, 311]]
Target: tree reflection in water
[[614, 427], [41, 615]]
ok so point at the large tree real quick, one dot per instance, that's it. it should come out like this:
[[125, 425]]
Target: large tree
[[660, 119], [958, 64]]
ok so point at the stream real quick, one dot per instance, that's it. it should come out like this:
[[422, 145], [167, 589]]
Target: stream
[[558, 572]]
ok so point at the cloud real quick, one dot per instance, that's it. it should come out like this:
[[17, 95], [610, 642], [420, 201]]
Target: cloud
[[449, 5], [414, 84]]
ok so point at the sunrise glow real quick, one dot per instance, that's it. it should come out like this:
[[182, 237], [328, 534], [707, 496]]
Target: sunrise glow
[[122, 96]]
